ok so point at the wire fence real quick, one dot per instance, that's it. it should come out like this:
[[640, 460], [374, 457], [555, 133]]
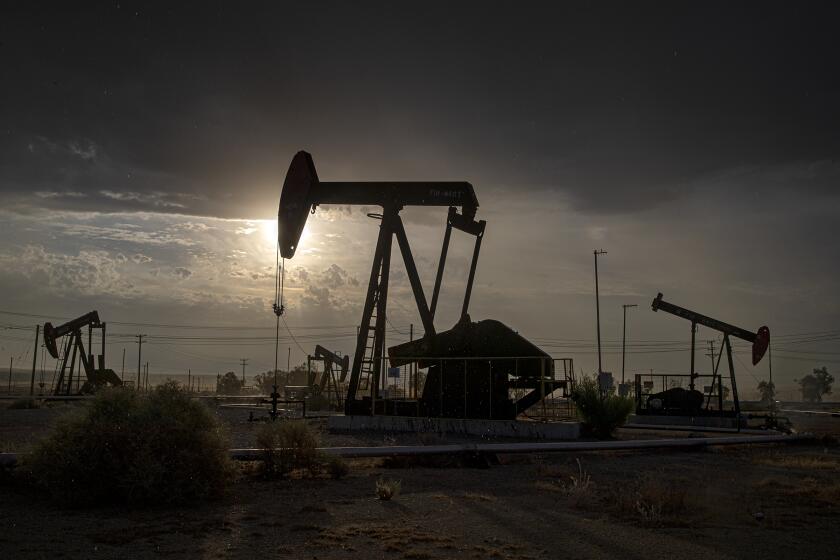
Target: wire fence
[[538, 387]]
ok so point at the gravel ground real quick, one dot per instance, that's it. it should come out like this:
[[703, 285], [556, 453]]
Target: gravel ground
[[734, 502]]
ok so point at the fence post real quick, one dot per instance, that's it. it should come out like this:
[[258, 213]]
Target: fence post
[[490, 387]]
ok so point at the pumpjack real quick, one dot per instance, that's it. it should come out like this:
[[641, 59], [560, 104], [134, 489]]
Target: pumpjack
[[327, 389], [692, 402], [457, 384], [96, 377]]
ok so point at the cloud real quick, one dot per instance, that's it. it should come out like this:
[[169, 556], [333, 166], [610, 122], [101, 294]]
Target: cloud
[[85, 150], [140, 258], [182, 273], [85, 273], [63, 194]]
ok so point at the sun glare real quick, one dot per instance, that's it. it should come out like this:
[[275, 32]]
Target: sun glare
[[268, 228]]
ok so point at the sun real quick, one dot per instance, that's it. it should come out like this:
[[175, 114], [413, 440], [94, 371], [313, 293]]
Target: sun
[[268, 228]]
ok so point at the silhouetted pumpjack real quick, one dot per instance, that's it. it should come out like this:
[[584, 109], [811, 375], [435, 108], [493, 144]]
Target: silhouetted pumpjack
[[96, 377], [690, 402], [303, 192], [328, 386]]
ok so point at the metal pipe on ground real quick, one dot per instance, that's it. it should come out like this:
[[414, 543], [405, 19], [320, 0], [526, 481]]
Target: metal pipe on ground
[[544, 447], [253, 454]]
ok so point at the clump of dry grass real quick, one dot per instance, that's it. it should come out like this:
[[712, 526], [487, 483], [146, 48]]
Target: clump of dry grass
[[578, 486], [580, 483], [479, 497], [404, 538], [808, 488], [803, 462], [652, 499], [387, 488]]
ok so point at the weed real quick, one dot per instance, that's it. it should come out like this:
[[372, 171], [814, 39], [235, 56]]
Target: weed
[[601, 413], [579, 483], [651, 499], [387, 488], [286, 446]]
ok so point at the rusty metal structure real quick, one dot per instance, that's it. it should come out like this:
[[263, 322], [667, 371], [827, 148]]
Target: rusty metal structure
[[454, 387], [97, 375], [691, 402]]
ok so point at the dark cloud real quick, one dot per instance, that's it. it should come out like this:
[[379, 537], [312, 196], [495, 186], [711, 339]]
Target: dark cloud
[[182, 273], [619, 106]]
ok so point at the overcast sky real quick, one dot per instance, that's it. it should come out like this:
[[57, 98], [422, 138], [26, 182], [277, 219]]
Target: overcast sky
[[143, 148]]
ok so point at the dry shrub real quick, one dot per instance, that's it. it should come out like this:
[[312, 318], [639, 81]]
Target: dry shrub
[[578, 486], [804, 462], [336, 467], [287, 446], [601, 413], [809, 488], [130, 449], [24, 404], [387, 488], [652, 499]]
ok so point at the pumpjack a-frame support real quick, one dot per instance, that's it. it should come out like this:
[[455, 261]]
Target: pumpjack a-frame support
[[370, 353]]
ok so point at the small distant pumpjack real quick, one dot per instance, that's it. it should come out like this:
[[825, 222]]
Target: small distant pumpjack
[[328, 385], [680, 401], [96, 376]]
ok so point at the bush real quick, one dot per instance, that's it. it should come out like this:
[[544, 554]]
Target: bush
[[131, 449], [287, 446], [601, 413], [24, 404]]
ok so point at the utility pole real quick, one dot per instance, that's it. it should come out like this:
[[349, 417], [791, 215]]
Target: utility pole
[[711, 354], [598, 305], [147, 376], [122, 374], [139, 361], [770, 361], [34, 360], [11, 364], [624, 337], [243, 362]]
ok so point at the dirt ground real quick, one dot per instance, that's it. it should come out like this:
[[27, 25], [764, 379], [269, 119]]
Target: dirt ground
[[734, 502]]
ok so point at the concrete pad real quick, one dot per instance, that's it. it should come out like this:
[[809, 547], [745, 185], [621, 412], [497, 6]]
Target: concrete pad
[[692, 421], [456, 426]]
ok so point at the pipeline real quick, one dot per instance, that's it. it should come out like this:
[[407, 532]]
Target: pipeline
[[253, 454], [543, 447]]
